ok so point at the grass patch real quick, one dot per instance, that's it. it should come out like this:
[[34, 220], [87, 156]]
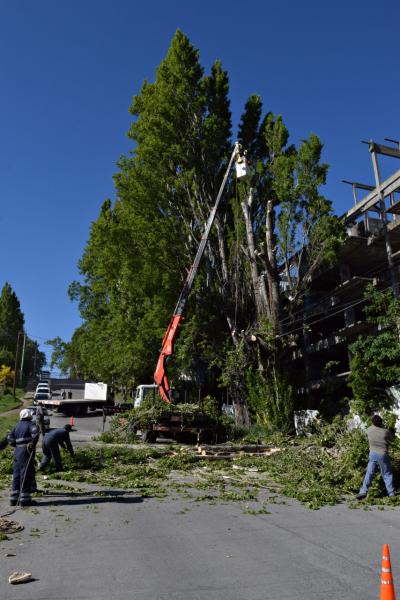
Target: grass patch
[[6, 468], [8, 402], [7, 423]]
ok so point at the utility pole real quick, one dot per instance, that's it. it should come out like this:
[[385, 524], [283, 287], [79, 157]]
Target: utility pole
[[22, 360], [16, 363], [34, 360]]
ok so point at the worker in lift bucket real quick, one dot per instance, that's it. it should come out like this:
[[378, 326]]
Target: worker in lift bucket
[[23, 438], [51, 442]]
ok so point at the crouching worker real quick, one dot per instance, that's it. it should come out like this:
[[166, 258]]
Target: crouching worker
[[378, 439], [51, 442], [23, 438]]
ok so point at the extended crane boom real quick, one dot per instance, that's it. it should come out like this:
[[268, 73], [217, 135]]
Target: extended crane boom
[[167, 349]]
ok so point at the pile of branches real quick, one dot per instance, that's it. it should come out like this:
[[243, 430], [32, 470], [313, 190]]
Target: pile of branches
[[125, 425], [159, 412]]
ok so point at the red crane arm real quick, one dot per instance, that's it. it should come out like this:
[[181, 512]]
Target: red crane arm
[[167, 349]]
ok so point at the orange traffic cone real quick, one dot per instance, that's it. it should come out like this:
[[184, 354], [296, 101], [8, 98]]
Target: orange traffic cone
[[71, 421], [387, 587]]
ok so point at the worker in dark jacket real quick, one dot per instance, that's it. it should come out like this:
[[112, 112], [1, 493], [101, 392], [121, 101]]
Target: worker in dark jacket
[[378, 439], [23, 438], [40, 419], [51, 442]]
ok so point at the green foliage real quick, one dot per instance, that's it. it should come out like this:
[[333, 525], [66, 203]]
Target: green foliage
[[157, 411], [290, 231], [209, 406], [232, 375], [375, 362], [323, 469], [141, 245], [58, 354], [271, 402], [8, 402], [11, 326], [6, 357], [6, 375], [6, 424], [139, 248], [280, 401], [34, 359], [11, 318]]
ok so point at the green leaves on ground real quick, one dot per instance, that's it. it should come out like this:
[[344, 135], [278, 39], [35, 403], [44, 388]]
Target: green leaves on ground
[[323, 469]]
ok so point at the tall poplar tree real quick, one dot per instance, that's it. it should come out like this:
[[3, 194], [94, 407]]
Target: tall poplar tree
[[11, 318], [273, 228]]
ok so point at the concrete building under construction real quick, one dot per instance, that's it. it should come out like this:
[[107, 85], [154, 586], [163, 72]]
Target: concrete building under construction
[[333, 316]]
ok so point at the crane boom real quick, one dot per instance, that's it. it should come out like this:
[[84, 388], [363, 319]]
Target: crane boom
[[167, 348]]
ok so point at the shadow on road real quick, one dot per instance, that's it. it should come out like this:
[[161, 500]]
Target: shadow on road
[[80, 498]]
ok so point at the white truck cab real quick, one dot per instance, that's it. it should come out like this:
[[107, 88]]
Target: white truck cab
[[143, 391]]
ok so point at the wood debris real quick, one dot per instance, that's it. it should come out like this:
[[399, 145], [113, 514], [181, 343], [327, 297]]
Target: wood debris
[[7, 526], [225, 452], [19, 577]]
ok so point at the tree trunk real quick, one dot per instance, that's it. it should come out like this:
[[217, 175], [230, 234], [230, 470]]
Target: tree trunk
[[258, 282], [272, 272], [242, 418]]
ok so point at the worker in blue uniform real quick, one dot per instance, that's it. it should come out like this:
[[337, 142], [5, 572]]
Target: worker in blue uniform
[[23, 438], [51, 442]]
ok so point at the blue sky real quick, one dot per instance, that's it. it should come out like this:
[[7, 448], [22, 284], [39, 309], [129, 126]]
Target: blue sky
[[68, 71]]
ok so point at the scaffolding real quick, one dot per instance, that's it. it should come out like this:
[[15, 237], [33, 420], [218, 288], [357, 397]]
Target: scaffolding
[[333, 316]]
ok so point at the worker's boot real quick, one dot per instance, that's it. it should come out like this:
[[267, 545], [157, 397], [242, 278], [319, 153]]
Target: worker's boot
[[14, 497], [26, 499], [30, 502]]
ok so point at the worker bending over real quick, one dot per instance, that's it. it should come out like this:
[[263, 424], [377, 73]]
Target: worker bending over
[[51, 442], [23, 438]]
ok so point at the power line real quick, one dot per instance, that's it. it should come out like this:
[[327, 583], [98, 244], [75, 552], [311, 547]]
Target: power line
[[328, 316], [374, 271], [322, 318], [301, 312]]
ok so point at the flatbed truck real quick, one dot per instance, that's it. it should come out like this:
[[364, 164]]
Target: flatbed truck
[[96, 395]]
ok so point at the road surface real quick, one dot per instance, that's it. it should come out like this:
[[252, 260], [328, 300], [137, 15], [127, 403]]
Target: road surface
[[119, 546], [84, 428]]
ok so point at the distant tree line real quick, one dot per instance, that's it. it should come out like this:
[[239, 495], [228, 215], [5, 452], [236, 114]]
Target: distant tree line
[[271, 234], [12, 330]]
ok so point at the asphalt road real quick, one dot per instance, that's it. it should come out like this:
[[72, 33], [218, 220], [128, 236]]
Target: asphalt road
[[84, 428], [121, 546]]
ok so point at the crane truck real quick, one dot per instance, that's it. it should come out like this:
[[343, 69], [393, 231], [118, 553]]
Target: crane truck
[[160, 375]]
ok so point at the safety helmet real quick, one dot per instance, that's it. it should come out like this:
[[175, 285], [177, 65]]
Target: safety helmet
[[25, 414]]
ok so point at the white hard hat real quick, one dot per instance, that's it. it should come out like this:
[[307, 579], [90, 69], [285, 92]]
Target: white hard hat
[[25, 414]]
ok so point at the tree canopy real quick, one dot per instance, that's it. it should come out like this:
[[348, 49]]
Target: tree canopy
[[274, 228], [375, 362], [11, 318], [12, 323]]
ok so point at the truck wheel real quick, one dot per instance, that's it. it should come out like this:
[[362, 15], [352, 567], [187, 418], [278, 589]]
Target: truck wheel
[[149, 437], [82, 410]]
